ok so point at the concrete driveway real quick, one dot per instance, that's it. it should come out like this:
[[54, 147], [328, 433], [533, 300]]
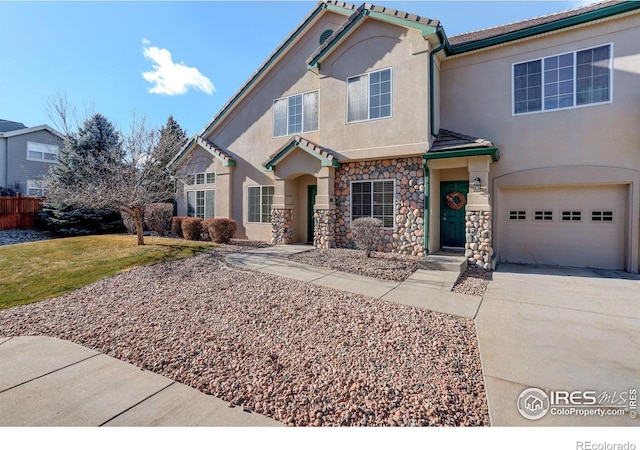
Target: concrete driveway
[[561, 329]]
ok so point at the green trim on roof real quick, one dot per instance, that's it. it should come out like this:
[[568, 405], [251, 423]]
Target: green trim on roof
[[425, 29], [461, 153], [189, 146], [325, 162], [603, 13]]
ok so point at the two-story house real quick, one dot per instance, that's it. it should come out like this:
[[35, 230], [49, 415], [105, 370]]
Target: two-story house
[[517, 143], [26, 155]]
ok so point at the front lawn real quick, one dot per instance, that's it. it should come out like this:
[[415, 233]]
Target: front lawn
[[36, 271]]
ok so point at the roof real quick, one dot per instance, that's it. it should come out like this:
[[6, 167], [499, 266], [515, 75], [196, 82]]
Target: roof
[[451, 144], [326, 156], [26, 130], [537, 25], [209, 146], [8, 125]]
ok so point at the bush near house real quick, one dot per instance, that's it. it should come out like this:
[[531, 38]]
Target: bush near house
[[221, 230], [158, 217], [366, 233], [192, 228], [176, 225]]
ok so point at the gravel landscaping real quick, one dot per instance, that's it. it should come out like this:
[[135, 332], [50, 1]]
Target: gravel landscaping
[[303, 354], [473, 281], [385, 266]]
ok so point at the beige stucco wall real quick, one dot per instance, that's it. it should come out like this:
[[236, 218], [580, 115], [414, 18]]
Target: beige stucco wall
[[586, 142]]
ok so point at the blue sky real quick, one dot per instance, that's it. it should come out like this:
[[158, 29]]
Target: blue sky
[[181, 58]]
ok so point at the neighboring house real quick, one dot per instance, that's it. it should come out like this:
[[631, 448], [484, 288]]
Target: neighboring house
[[369, 111], [26, 154]]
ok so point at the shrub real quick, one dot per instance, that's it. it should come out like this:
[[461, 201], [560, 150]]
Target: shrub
[[64, 220], [221, 230], [158, 217], [176, 225], [366, 233], [192, 228]]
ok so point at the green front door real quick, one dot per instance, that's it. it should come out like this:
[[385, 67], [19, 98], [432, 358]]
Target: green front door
[[312, 191], [453, 197]]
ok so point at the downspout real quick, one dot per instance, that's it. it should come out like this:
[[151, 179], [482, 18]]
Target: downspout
[[427, 177]]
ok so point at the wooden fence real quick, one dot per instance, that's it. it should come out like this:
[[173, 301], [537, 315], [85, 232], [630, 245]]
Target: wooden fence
[[18, 212]]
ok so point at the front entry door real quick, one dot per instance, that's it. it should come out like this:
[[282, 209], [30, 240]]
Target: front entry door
[[312, 191], [453, 197]]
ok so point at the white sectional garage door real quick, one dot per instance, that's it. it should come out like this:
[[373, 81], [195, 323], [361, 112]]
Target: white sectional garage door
[[579, 226]]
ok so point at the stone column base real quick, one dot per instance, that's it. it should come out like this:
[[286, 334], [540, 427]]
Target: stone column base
[[479, 238], [324, 225], [282, 226]]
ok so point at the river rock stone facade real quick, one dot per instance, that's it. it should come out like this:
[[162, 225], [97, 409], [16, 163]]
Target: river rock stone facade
[[479, 238], [407, 235], [324, 234], [282, 226]]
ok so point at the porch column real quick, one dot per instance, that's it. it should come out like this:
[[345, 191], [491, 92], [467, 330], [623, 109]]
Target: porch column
[[282, 213], [478, 215], [324, 216]]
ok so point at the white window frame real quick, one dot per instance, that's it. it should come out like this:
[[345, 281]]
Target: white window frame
[[368, 75], [35, 185], [574, 81], [262, 213], [286, 99], [602, 213], [192, 179], [43, 148], [372, 182], [517, 215], [204, 205]]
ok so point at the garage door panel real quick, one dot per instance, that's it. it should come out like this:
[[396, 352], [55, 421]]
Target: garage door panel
[[592, 241]]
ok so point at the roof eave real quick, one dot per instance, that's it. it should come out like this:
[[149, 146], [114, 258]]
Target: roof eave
[[297, 143], [463, 153]]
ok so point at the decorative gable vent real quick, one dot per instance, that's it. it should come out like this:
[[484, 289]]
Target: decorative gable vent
[[326, 34]]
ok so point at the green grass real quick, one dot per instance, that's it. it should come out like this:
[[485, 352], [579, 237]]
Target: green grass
[[35, 271]]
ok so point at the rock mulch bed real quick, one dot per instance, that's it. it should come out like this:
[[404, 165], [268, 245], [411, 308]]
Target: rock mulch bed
[[384, 266], [8, 237], [300, 353], [473, 281]]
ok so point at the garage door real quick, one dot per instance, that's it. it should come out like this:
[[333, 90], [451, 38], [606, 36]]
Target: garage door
[[579, 226]]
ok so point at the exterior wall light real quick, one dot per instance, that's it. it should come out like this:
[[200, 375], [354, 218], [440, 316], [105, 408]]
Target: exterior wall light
[[476, 184]]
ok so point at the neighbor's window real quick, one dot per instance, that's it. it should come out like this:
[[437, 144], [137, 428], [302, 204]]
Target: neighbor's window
[[201, 203], [260, 201], [373, 199], [35, 188], [42, 152], [563, 81], [369, 96], [295, 114]]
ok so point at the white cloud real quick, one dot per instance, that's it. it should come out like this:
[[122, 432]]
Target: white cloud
[[172, 78]]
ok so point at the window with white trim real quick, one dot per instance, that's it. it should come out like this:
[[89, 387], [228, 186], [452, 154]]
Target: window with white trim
[[517, 215], [295, 114], [42, 152], [201, 203], [369, 96], [543, 216], [201, 178], [571, 216], [373, 198], [260, 202], [602, 216], [35, 188], [561, 81]]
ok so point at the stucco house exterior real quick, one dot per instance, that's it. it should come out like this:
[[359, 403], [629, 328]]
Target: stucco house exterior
[[519, 143], [26, 154]]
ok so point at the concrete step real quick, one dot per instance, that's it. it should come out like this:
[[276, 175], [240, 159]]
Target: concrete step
[[444, 260]]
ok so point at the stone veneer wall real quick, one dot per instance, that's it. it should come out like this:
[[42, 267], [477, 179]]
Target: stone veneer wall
[[408, 233], [324, 234], [282, 226], [479, 239]]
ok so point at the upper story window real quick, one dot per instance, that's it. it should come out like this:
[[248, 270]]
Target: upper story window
[[201, 178], [42, 152], [369, 96], [295, 114], [563, 81]]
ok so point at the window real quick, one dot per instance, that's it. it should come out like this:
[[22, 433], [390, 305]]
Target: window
[[295, 114], [42, 152], [571, 216], [201, 178], [369, 96], [563, 81], [373, 199], [35, 188], [260, 201], [201, 203], [602, 216], [517, 215], [543, 216]]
